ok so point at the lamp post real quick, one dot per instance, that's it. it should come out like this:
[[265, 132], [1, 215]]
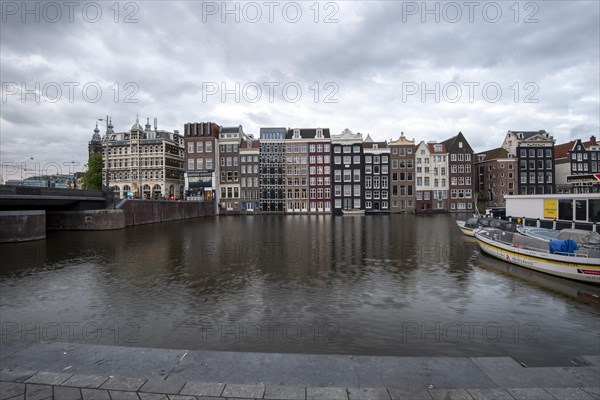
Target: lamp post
[[23, 167], [106, 180]]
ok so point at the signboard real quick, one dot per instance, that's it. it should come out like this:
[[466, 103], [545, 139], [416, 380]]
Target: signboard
[[551, 208]]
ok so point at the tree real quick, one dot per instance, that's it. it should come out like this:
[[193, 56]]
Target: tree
[[93, 176]]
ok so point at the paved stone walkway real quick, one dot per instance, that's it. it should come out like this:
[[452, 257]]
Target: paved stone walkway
[[78, 371], [20, 384]]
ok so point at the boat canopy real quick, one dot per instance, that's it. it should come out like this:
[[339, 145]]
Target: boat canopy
[[580, 236], [530, 242], [503, 225], [472, 222]]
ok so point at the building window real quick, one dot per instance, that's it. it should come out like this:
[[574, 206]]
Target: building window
[[337, 177], [347, 175]]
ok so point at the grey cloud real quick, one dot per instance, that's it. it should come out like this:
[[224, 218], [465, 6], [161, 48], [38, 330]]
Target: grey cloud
[[368, 54]]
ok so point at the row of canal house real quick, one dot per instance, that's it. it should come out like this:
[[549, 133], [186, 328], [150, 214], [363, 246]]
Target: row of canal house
[[293, 170], [523, 164], [531, 163], [312, 171]]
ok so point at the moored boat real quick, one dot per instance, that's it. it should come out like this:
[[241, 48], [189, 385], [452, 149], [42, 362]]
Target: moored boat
[[468, 227], [353, 211], [562, 258]]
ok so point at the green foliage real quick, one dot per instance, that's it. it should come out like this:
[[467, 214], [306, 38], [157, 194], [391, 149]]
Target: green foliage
[[93, 177]]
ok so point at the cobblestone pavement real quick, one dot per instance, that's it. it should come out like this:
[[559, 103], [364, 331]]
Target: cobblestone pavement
[[21, 384], [73, 371]]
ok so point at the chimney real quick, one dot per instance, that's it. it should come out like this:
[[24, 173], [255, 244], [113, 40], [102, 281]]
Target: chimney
[[155, 123], [593, 140]]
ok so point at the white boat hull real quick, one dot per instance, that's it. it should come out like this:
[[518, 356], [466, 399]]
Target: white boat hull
[[582, 269], [353, 212], [464, 229]]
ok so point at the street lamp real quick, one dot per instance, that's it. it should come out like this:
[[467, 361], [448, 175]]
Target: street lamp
[[24, 162]]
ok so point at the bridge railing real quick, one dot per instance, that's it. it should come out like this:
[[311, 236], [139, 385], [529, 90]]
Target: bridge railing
[[38, 191]]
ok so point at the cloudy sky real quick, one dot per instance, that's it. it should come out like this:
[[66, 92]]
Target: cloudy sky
[[378, 67]]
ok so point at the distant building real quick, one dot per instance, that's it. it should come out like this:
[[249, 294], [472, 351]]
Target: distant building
[[534, 151], [296, 172], [402, 174], [562, 166], [496, 176], [272, 170], [144, 162], [376, 176], [250, 176], [585, 167], [348, 160], [460, 166], [230, 139], [431, 160], [308, 150], [319, 170], [200, 160], [95, 145]]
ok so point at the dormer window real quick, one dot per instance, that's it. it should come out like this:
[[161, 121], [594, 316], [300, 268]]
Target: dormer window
[[319, 133], [437, 147], [296, 133]]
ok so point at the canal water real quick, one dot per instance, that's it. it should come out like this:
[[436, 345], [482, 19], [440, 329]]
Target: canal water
[[399, 285]]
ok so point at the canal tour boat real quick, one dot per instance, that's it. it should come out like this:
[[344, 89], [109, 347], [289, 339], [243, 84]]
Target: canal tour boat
[[578, 263]]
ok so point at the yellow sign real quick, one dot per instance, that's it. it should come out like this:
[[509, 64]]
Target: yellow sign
[[550, 208]]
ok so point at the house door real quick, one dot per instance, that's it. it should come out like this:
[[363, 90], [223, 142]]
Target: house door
[[347, 204]]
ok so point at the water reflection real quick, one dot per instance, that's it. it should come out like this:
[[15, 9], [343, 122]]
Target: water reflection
[[389, 285]]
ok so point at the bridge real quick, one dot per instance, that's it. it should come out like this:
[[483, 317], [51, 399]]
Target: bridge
[[14, 198], [26, 212]]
